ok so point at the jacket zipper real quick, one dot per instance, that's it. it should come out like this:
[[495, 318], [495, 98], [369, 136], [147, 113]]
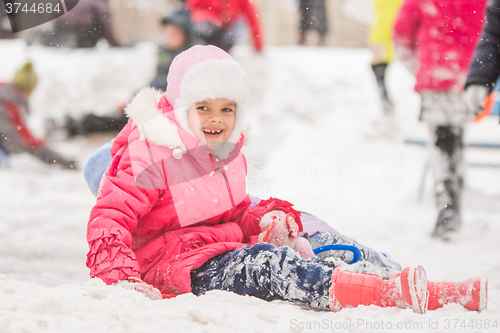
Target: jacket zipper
[[225, 180]]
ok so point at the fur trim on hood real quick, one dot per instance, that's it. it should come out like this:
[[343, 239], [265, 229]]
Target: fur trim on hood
[[153, 126], [197, 74]]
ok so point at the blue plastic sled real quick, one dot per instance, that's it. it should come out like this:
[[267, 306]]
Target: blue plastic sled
[[355, 251]]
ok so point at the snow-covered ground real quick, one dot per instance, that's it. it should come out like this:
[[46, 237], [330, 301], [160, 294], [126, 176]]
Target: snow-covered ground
[[313, 140]]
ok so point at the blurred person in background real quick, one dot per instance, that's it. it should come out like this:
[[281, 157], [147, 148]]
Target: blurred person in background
[[15, 136], [177, 35], [313, 17], [214, 21], [485, 67], [436, 39], [82, 27], [380, 40]]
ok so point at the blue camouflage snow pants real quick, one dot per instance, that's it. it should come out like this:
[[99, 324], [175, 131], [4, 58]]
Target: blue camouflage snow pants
[[270, 273]]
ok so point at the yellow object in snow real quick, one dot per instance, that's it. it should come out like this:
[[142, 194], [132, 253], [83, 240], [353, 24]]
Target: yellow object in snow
[[380, 37]]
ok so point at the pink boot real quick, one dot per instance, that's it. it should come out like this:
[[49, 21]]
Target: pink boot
[[471, 293], [405, 290]]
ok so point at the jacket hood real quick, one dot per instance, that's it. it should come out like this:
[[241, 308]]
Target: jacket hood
[[197, 74], [182, 19]]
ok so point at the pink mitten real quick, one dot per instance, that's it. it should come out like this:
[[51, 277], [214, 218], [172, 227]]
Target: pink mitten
[[280, 229], [142, 287], [277, 228], [303, 247]]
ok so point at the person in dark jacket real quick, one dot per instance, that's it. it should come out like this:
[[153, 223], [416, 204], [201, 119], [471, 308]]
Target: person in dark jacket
[[177, 35], [313, 17], [83, 26], [485, 67], [15, 136]]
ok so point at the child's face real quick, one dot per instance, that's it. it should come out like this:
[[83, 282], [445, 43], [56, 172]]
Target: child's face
[[214, 122], [173, 36]]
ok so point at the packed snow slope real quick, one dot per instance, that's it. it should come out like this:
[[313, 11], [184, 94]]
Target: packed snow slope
[[315, 138]]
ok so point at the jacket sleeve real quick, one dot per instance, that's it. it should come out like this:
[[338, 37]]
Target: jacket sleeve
[[405, 33], [120, 205], [485, 66], [16, 133], [250, 218], [254, 23]]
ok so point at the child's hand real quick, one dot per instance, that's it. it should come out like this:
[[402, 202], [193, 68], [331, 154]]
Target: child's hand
[[142, 287]]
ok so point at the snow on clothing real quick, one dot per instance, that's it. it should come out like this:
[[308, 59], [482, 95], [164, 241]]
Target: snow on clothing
[[166, 205], [441, 36], [218, 273], [15, 136], [485, 67], [373, 262], [224, 13], [268, 273], [271, 273], [177, 217]]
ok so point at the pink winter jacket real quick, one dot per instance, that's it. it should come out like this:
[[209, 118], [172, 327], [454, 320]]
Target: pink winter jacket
[[166, 205], [441, 35]]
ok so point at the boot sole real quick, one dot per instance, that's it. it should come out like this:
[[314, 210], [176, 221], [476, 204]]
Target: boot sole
[[417, 287]]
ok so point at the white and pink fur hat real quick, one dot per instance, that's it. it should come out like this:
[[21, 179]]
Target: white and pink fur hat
[[195, 75]]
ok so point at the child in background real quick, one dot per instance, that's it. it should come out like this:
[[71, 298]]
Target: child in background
[[214, 21], [177, 36], [313, 16], [436, 40], [172, 214], [15, 136], [380, 40]]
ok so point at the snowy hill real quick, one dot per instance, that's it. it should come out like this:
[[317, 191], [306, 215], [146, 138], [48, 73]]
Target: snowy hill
[[312, 140]]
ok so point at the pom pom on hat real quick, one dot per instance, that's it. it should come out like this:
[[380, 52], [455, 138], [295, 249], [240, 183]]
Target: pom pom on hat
[[25, 78]]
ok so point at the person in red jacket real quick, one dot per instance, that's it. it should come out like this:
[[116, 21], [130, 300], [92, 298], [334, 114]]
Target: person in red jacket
[[172, 214], [15, 136], [436, 40], [214, 20]]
